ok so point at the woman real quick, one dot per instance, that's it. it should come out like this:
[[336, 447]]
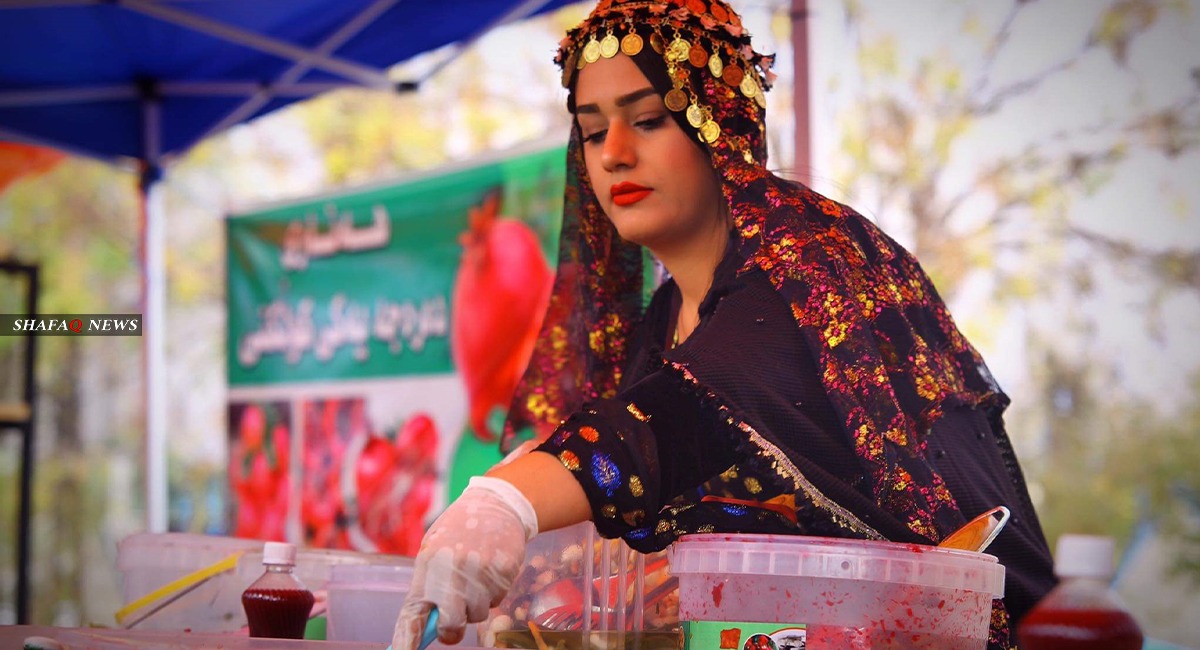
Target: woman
[[797, 374]]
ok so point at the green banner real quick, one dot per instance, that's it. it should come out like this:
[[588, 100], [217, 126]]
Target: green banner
[[359, 285]]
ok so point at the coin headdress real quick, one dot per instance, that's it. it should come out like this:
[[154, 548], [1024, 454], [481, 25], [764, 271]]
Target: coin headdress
[[717, 82]]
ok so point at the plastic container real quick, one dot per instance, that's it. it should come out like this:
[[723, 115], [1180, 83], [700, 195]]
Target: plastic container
[[147, 561], [572, 572], [364, 601], [815, 593], [1082, 611]]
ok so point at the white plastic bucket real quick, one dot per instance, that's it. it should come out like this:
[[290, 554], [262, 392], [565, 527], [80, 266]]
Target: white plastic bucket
[[833, 593]]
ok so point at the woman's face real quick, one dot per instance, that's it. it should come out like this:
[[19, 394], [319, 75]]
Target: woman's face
[[654, 183]]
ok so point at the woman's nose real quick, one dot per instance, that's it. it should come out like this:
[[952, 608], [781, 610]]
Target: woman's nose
[[618, 147]]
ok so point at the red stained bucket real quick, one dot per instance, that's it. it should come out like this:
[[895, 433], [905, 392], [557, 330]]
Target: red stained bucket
[[791, 592]]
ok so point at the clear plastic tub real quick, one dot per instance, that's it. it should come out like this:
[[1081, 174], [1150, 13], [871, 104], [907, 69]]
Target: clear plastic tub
[[364, 601], [148, 561], [572, 572], [822, 593]]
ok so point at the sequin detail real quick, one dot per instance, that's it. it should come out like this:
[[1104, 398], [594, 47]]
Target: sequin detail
[[605, 473], [778, 462], [589, 433], [561, 436], [569, 460]]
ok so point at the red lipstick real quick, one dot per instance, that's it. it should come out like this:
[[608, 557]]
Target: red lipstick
[[626, 194]]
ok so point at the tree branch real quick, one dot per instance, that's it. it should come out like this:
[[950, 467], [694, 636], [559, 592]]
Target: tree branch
[[998, 41]]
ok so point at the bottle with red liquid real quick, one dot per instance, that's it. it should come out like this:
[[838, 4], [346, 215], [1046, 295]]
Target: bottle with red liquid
[[277, 604], [1082, 611]]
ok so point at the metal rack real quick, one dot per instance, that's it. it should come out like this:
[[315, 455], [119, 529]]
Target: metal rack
[[19, 417]]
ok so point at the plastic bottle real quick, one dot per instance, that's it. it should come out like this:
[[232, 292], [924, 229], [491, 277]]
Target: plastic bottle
[[1082, 611], [277, 604]]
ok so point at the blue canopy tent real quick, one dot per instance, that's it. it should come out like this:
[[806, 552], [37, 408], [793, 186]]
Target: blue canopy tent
[[145, 80]]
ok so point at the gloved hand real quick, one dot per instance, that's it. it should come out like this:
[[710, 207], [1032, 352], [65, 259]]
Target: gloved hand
[[467, 562]]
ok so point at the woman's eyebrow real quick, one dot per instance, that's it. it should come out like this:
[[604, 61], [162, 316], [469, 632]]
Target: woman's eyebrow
[[623, 100]]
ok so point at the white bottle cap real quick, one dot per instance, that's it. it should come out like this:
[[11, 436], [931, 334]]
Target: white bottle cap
[[279, 553], [1084, 556]]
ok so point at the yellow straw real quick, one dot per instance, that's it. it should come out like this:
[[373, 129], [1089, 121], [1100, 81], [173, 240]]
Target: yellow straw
[[189, 580]]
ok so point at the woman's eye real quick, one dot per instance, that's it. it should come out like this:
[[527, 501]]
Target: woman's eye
[[651, 123], [647, 124], [595, 138]]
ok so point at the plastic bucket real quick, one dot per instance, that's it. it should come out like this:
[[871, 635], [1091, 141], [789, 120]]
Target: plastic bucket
[[793, 592], [364, 601]]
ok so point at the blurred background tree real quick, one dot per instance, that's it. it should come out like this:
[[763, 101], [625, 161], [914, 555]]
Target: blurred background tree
[[1040, 159]]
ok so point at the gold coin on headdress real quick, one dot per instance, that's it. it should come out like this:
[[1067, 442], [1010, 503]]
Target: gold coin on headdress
[[695, 116], [609, 46], [676, 100], [656, 42], [749, 86], [732, 75], [631, 44], [761, 98], [680, 50], [579, 60], [710, 131], [698, 56], [715, 66], [591, 51]]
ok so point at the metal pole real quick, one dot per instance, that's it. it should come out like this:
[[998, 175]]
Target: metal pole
[[302, 66], [362, 74], [800, 93], [154, 340], [111, 92], [153, 237], [25, 514]]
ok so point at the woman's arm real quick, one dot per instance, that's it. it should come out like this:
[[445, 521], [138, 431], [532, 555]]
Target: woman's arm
[[473, 552], [554, 493]]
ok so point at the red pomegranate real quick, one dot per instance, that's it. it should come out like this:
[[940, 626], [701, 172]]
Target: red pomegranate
[[500, 295]]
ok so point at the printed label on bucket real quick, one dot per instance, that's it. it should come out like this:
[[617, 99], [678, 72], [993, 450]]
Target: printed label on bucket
[[723, 635]]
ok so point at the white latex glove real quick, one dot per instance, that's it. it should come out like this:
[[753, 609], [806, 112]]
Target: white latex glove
[[467, 562]]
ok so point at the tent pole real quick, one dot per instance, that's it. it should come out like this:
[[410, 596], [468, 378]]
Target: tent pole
[[801, 106], [154, 377], [362, 74], [519, 12], [296, 72]]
